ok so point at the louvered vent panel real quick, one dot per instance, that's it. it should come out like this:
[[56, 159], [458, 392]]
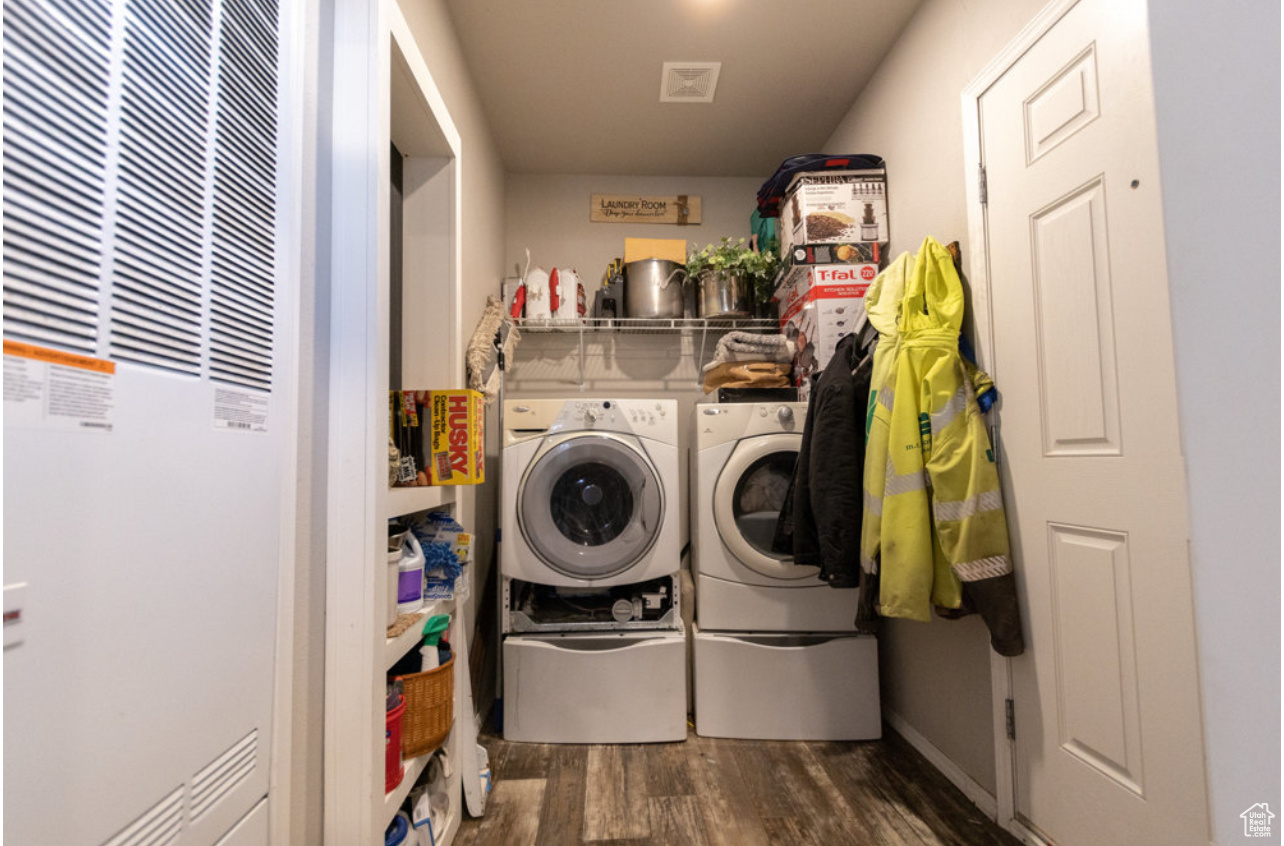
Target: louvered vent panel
[[224, 774], [93, 18], [160, 225], [159, 826], [689, 82], [55, 137], [244, 263]]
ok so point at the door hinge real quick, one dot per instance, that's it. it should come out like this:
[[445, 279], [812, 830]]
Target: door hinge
[[982, 187], [1010, 710]]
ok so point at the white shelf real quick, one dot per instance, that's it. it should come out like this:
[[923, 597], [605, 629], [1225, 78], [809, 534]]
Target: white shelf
[[409, 500], [410, 772], [649, 325], [578, 328], [395, 647]]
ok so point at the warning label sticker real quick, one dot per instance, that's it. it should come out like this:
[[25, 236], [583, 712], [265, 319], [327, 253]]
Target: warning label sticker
[[53, 389], [240, 411]]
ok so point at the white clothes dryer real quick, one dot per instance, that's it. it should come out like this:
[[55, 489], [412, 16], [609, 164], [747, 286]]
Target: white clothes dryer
[[775, 655], [745, 455], [587, 500]]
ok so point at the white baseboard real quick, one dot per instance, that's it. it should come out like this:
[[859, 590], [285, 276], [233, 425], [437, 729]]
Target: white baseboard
[[979, 796], [1025, 835]]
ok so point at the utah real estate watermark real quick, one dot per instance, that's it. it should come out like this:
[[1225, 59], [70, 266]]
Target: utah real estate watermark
[[1257, 820]]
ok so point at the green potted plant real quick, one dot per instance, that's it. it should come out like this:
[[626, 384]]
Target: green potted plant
[[729, 275]]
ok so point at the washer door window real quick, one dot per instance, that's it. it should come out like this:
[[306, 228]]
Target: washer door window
[[747, 499], [590, 505]]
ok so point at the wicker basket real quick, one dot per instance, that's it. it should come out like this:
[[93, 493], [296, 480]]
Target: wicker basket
[[430, 709]]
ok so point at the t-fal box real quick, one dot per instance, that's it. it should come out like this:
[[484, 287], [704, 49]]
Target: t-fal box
[[438, 438], [818, 307], [837, 207], [858, 252]]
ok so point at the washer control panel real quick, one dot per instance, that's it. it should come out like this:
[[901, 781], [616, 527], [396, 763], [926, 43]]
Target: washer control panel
[[615, 415], [646, 418], [723, 422]]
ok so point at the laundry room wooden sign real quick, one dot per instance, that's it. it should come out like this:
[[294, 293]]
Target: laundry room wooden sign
[[682, 209]]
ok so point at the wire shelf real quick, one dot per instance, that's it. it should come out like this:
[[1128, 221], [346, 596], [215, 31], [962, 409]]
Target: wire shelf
[[649, 325]]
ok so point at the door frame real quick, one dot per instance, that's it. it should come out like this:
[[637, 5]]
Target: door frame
[[979, 277]]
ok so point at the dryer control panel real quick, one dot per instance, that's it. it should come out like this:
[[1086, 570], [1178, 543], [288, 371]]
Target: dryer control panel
[[645, 418], [719, 423]]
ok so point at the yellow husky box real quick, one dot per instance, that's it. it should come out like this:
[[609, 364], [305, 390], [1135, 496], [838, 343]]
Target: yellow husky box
[[458, 443], [436, 438]]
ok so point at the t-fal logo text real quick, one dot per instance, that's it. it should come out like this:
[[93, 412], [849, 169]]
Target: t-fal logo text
[[457, 421], [865, 272]]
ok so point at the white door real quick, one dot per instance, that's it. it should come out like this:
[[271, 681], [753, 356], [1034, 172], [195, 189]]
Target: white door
[[1108, 741]]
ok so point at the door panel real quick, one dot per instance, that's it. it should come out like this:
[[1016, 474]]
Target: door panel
[[1095, 651], [1108, 732], [1075, 327]]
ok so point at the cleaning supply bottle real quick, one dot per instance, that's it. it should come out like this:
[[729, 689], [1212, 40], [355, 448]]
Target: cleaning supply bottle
[[410, 577], [432, 633]]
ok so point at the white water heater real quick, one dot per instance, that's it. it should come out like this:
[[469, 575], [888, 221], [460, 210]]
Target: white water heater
[[148, 421]]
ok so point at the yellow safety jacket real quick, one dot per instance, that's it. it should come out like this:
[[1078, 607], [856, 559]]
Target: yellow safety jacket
[[933, 527], [883, 308]]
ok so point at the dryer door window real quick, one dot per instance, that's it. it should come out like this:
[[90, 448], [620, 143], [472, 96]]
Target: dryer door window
[[759, 497], [591, 506], [747, 499]]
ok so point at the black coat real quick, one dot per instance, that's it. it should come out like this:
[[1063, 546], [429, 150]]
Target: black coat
[[828, 484]]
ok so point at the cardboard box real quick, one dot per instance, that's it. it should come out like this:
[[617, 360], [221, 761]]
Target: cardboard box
[[439, 437], [834, 207], [858, 252], [669, 249], [818, 307]]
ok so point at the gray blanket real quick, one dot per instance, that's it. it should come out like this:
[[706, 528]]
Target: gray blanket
[[751, 346]]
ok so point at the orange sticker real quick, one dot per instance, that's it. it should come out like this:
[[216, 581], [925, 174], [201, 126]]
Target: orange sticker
[[66, 359]]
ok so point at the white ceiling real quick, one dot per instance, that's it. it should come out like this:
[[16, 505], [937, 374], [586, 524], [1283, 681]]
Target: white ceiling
[[573, 86]]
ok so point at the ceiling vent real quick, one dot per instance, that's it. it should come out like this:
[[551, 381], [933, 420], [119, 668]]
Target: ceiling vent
[[689, 82]]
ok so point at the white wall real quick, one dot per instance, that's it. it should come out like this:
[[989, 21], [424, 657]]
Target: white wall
[[1217, 98], [550, 215], [935, 676]]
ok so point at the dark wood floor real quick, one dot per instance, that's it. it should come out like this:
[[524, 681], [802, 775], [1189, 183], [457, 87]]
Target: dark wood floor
[[709, 792]]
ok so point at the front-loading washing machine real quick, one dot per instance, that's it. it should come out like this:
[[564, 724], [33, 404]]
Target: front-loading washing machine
[[776, 655], [586, 497], [590, 538]]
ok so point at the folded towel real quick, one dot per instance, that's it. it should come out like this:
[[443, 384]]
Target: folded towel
[[751, 374], [751, 346]]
